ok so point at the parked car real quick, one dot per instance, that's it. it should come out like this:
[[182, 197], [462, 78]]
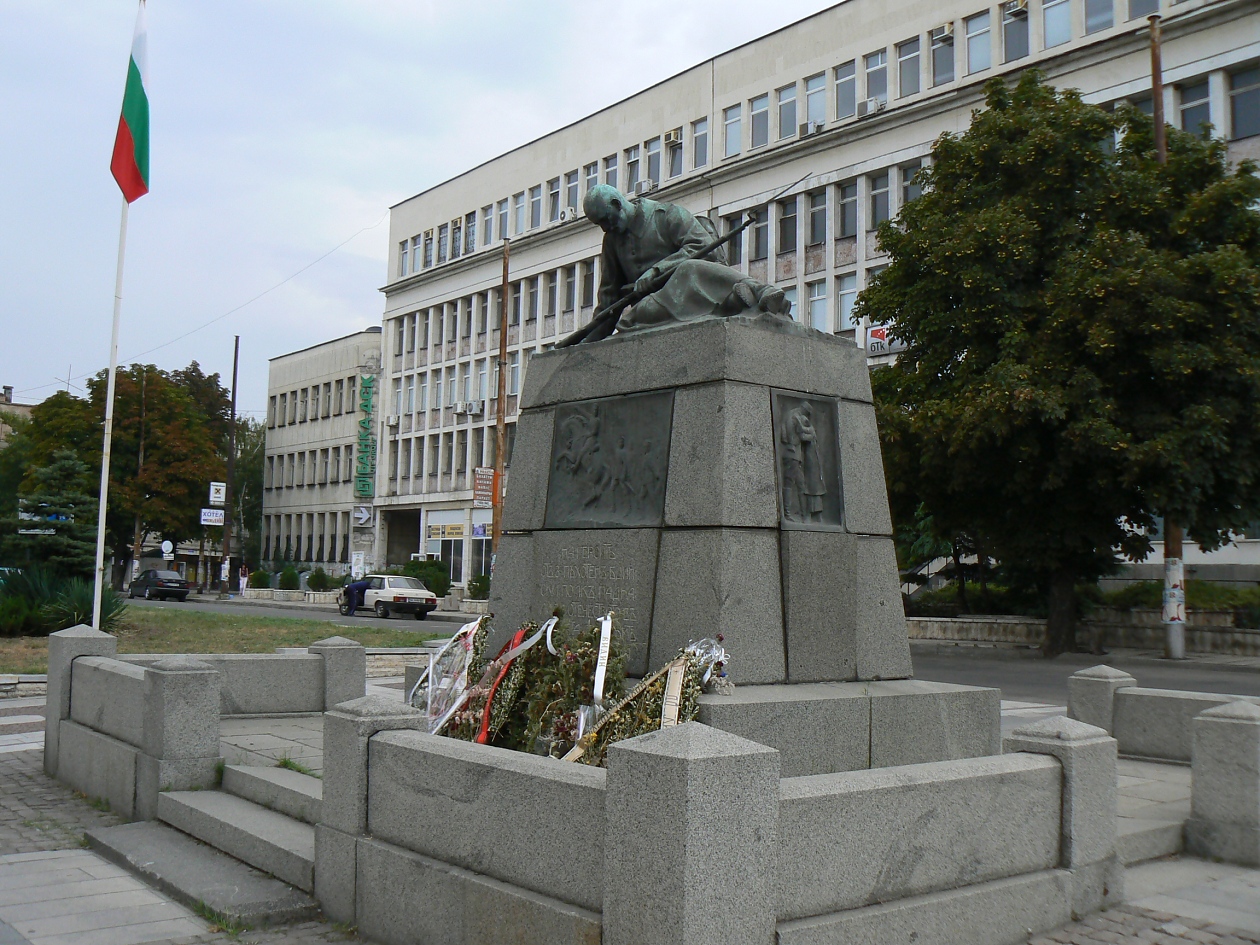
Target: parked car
[[159, 585], [389, 594]]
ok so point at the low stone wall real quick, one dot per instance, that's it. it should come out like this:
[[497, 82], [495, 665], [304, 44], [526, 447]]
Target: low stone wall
[[978, 629], [23, 686], [257, 593]]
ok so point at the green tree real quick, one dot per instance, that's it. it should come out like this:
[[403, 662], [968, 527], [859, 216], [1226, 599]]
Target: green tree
[[58, 505], [1083, 346], [251, 436]]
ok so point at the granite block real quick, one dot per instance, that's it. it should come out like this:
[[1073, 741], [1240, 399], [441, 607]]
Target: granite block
[[404, 897], [820, 593], [1092, 695], [1155, 723], [1225, 820], [999, 912], [862, 471], [155, 775], [181, 709], [109, 696], [912, 830], [692, 818], [881, 641], [514, 586], [535, 822], [1088, 757], [529, 473], [336, 872], [706, 586], [261, 683], [722, 458], [347, 731], [914, 721], [64, 647], [345, 669], [817, 728], [99, 766]]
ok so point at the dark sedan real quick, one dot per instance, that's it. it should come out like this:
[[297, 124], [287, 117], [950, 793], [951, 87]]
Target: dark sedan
[[159, 585]]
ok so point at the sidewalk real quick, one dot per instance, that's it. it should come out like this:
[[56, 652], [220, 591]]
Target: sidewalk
[[451, 616]]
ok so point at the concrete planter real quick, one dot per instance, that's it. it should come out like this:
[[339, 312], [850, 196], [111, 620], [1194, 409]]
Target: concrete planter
[[291, 596], [257, 593], [474, 607], [321, 597]]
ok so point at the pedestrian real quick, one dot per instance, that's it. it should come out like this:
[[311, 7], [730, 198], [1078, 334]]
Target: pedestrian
[[354, 595]]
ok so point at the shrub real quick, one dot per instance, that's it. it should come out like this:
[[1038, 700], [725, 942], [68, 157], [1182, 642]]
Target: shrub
[[260, 579], [289, 579], [479, 587], [73, 606], [436, 575], [318, 580], [17, 619]]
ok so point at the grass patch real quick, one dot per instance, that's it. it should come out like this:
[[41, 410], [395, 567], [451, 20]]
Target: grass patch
[[293, 765], [166, 630], [218, 921]]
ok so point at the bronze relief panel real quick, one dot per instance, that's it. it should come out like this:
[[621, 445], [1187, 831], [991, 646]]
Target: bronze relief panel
[[807, 458]]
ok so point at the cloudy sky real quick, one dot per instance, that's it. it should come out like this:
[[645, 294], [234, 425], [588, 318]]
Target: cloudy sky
[[281, 130]]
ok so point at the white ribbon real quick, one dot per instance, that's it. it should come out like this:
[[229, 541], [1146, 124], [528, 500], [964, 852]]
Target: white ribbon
[[601, 664], [549, 626], [463, 632]]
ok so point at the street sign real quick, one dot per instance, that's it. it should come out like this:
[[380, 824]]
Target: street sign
[[167, 547], [363, 516], [879, 341], [211, 516], [218, 493], [483, 487]]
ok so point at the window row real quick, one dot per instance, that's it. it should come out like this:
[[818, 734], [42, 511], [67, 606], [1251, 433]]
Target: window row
[[462, 384], [317, 402], [309, 468], [307, 536], [453, 453]]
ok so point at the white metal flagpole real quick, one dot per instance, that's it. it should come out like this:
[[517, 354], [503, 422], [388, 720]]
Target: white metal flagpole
[[109, 425]]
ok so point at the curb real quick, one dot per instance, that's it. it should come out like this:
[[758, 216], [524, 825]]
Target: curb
[[1115, 657]]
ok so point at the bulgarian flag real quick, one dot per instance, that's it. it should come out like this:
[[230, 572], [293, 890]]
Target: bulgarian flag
[[130, 163]]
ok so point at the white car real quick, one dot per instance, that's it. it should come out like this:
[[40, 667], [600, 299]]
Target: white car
[[390, 594]]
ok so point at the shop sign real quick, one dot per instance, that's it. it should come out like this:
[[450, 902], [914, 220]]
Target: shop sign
[[218, 494], [880, 341], [365, 458], [439, 532], [483, 487], [211, 516]]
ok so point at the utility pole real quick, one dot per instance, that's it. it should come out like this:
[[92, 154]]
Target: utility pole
[[500, 412], [138, 537], [1174, 611], [227, 572]]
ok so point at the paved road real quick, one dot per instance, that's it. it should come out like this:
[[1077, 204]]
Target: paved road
[[435, 623], [1033, 679]]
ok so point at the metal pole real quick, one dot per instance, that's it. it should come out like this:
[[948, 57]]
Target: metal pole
[[1174, 610], [500, 413], [226, 581], [99, 588]]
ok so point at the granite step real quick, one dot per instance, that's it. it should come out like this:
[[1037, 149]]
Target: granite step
[[1139, 840], [192, 873], [263, 838], [291, 793]]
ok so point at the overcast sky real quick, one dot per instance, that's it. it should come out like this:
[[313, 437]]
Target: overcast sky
[[280, 129]]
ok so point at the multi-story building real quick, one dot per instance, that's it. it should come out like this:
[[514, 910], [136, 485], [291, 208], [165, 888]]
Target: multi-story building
[[848, 101], [319, 468]]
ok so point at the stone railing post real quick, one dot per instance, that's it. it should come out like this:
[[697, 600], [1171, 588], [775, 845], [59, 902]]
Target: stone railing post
[[1225, 804], [347, 730], [180, 742], [1087, 837], [692, 826], [64, 647], [1092, 695], [345, 670]]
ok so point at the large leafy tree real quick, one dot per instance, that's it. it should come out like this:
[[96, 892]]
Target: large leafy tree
[[1083, 339]]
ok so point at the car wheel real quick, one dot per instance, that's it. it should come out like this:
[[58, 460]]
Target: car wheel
[[344, 609], [381, 610], [131, 593], [420, 615]]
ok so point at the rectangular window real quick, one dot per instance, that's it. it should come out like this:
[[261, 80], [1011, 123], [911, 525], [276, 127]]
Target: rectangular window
[[591, 173], [535, 206], [878, 184], [588, 284], [533, 298], [451, 390], [816, 99], [676, 154], [732, 130], [465, 375], [553, 292], [422, 398], [470, 232], [1056, 21], [759, 120], [437, 390], [909, 189], [979, 44], [483, 321], [410, 322], [1142, 8], [514, 314], [846, 298], [410, 404], [787, 111], [415, 252], [400, 327], [789, 293], [503, 219], [398, 396], [943, 55], [514, 373], [735, 246], [1014, 31], [571, 190], [443, 245], [1244, 103], [553, 199], [518, 214], [787, 226], [700, 142], [302, 408], [339, 395], [350, 404], [428, 249], [483, 376], [632, 169], [610, 170], [846, 90], [818, 218], [403, 252], [1099, 15], [816, 294], [487, 225], [271, 412], [908, 67], [876, 69], [570, 288], [653, 150], [847, 213], [457, 241], [760, 235], [1196, 113]]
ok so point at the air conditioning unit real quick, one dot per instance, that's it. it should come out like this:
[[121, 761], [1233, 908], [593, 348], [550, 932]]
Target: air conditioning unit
[[391, 420], [1015, 9], [644, 187], [569, 214], [673, 138], [461, 407], [476, 407], [943, 35], [872, 106], [812, 128]]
